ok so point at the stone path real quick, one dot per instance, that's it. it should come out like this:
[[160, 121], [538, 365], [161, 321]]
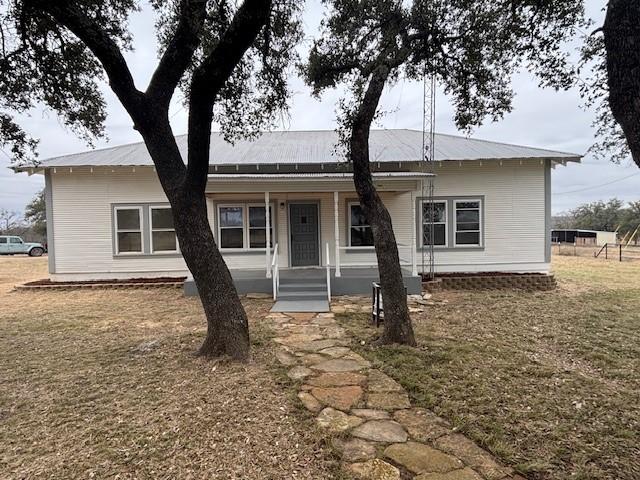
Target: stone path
[[376, 431]]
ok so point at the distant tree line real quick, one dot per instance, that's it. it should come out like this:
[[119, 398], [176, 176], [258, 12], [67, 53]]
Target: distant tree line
[[32, 227], [609, 216]]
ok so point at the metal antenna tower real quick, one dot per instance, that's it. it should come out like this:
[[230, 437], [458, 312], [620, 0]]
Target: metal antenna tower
[[428, 157]]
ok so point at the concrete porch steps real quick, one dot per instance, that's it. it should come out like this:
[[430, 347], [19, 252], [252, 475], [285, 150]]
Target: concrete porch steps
[[306, 294]]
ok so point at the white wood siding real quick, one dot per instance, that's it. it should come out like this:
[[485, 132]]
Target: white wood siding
[[514, 215], [83, 236], [514, 220]]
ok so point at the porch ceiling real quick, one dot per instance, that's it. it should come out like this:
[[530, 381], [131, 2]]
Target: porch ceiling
[[309, 181]]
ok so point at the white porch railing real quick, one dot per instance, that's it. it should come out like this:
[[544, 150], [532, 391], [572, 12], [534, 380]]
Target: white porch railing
[[275, 273], [328, 274], [357, 257]]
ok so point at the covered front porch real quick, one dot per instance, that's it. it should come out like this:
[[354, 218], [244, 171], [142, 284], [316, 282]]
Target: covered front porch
[[352, 281], [283, 228]]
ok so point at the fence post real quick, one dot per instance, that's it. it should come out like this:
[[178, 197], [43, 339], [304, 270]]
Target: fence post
[[620, 252], [606, 251]]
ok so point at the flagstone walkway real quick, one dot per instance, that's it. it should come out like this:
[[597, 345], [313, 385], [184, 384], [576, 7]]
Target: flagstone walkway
[[375, 429]]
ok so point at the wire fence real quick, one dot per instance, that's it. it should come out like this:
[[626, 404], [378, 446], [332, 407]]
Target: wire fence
[[608, 251]]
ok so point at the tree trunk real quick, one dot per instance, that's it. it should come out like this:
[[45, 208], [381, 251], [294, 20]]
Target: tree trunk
[[227, 326], [622, 44], [397, 322]]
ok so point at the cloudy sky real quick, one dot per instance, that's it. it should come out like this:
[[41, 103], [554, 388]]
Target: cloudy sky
[[541, 118]]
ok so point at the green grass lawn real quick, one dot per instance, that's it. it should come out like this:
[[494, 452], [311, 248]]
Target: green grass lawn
[[547, 381]]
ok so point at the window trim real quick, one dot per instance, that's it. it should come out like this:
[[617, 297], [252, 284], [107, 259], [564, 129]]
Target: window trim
[[245, 226], [480, 230], [446, 222], [117, 230], [152, 250], [350, 226]]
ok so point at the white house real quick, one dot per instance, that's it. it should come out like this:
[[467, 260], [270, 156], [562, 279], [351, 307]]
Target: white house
[[108, 217]]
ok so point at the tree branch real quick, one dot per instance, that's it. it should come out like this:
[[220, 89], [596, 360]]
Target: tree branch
[[103, 47], [209, 78], [179, 53]]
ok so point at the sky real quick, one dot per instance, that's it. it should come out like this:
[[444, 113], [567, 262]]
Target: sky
[[541, 118]]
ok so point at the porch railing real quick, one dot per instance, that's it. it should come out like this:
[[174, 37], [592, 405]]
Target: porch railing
[[407, 254], [328, 274], [275, 273]]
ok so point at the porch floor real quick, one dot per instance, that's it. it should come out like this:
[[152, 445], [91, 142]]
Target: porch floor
[[353, 280]]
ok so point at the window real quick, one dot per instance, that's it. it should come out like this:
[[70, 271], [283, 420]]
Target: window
[[15, 240], [435, 212], [163, 233], [467, 222], [258, 227], [244, 226], [360, 234], [3, 240], [128, 229], [231, 227]]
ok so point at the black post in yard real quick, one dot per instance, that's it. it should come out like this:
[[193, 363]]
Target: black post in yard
[[606, 251]]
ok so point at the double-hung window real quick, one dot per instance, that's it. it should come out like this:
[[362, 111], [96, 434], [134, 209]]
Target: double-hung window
[[258, 226], [434, 213], [163, 233], [244, 226], [360, 233], [231, 219], [468, 222], [128, 226]]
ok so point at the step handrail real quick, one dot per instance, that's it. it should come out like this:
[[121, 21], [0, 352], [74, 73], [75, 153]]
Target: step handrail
[[275, 273], [328, 274]]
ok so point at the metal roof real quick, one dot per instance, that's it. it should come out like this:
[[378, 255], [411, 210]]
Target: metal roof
[[316, 147]]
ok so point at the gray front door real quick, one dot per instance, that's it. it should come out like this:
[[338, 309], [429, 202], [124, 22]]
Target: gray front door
[[303, 224]]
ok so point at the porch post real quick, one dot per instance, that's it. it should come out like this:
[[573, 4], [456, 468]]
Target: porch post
[[336, 232], [414, 266], [268, 233]]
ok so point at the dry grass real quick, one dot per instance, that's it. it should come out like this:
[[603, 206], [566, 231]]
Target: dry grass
[[550, 382], [79, 400]]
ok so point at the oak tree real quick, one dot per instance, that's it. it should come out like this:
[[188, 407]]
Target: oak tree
[[612, 54], [36, 215], [473, 47], [229, 59]]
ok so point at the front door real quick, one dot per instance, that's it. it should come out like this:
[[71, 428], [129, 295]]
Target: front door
[[303, 225]]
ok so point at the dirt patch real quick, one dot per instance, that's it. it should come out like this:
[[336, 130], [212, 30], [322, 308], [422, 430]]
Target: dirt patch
[[105, 384]]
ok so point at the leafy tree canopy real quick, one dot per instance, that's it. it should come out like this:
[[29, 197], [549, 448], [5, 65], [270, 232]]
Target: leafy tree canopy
[[473, 47], [36, 214], [43, 64], [599, 215], [608, 216], [612, 52]]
